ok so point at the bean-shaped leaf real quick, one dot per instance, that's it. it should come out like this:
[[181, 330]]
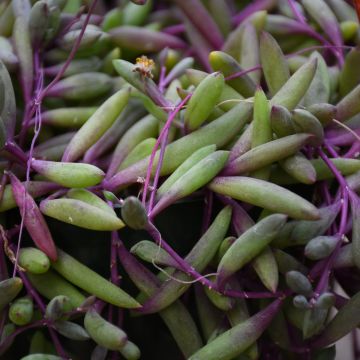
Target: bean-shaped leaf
[[275, 67], [203, 100], [266, 154], [319, 89], [305, 122], [73, 175], [314, 321], [222, 302], [299, 167], [103, 332], [9, 289], [21, 311], [298, 283], [291, 93], [225, 63], [266, 268], [22, 45], [57, 307], [71, 330], [150, 252], [349, 105], [134, 213], [130, 351], [191, 161], [250, 52], [7, 105], [175, 316], [218, 132], [96, 126], [90, 198], [234, 341], [73, 117], [199, 257], [249, 244], [139, 152], [88, 280], [88, 85], [301, 232], [33, 260], [33, 219], [141, 130], [80, 213], [50, 285], [323, 15], [266, 195], [343, 323], [350, 74], [143, 39], [196, 177], [281, 121], [261, 132], [355, 210], [321, 247]]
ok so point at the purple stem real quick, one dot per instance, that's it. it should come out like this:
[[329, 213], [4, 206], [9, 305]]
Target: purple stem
[[163, 133], [31, 108], [250, 9], [353, 151], [200, 18], [331, 150], [308, 30], [174, 29], [162, 78], [240, 221], [158, 169], [18, 331], [342, 137], [71, 55], [59, 349], [35, 105], [326, 271], [13, 149], [71, 23], [37, 128], [243, 72], [155, 234], [257, 67], [333, 169], [315, 47], [299, 16], [326, 193]]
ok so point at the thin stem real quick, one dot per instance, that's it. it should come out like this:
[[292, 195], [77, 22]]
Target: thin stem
[[326, 270], [299, 16], [163, 132], [258, 67], [158, 169], [71, 55], [188, 269], [8, 340], [59, 349], [333, 169], [243, 72], [353, 151]]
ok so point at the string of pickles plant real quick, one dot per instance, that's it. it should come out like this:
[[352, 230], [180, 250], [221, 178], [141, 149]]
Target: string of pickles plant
[[120, 117]]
